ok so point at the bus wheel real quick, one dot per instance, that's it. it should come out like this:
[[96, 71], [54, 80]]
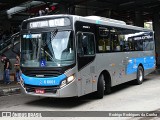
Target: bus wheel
[[140, 75], [100, 87], [107, 89]]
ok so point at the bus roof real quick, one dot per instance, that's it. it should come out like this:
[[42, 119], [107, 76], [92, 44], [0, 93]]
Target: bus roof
[[95, 20]]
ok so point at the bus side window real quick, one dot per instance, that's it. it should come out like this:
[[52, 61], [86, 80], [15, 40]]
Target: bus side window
[[101, 45], [104, 40], [115, 42]]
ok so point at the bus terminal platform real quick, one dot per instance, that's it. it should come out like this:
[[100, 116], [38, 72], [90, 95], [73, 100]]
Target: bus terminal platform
[[12, 88]]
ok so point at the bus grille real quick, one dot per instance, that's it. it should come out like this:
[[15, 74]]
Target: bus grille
[[45, 73], [48, 89]]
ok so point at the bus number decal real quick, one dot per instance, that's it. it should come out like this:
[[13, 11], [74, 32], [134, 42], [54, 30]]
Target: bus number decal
[[50, 82]]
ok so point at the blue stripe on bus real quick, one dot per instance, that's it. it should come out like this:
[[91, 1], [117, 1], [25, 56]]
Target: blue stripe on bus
[[147, 62], [50, 81]]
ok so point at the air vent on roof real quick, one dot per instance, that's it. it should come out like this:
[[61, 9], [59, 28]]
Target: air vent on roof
[[106, 19]]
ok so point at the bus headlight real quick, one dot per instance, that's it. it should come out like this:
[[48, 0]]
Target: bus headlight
[[70, 78], [67, 81]]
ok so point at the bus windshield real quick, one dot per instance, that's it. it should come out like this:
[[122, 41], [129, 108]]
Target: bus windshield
[[47, 49]]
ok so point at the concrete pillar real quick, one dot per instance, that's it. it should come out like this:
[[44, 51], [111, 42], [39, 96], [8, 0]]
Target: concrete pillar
[[63, 9], [71, 10], [106, 13], [66, 9], [156, 28], [139, 19], [5, 23], [81, 11]]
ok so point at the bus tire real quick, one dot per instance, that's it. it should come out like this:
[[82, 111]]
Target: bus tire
[[140, 75], [107, 84], [100, 87], [107, 89]]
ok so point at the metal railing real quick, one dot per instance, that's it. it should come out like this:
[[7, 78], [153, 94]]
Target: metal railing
[[7, 43], [5, 48]]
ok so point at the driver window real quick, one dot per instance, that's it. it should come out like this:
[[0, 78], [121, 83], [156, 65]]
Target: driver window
[[86, 44]]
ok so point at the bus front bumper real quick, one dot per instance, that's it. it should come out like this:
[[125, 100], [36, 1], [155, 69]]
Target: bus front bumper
[[70, 90]]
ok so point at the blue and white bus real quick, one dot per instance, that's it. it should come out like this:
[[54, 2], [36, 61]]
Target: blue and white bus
[[69, 55]]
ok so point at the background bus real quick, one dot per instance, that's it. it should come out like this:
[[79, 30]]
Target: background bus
[[68, 55]]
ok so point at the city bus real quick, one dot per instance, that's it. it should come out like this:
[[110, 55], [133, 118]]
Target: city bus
[[71, 56]]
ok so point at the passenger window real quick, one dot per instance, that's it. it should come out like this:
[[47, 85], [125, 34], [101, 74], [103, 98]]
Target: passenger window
[[115, 40], [120, 39], [104, 40], [86, 45]]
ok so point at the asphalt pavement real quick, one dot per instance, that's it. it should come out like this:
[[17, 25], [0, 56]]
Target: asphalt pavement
[[124, 98]]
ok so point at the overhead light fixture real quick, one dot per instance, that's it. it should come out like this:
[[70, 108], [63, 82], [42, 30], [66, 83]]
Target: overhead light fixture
[[23, 7], [15, 10]]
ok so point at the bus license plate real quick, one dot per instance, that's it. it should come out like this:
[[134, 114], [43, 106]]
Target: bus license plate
[[39, 91]]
